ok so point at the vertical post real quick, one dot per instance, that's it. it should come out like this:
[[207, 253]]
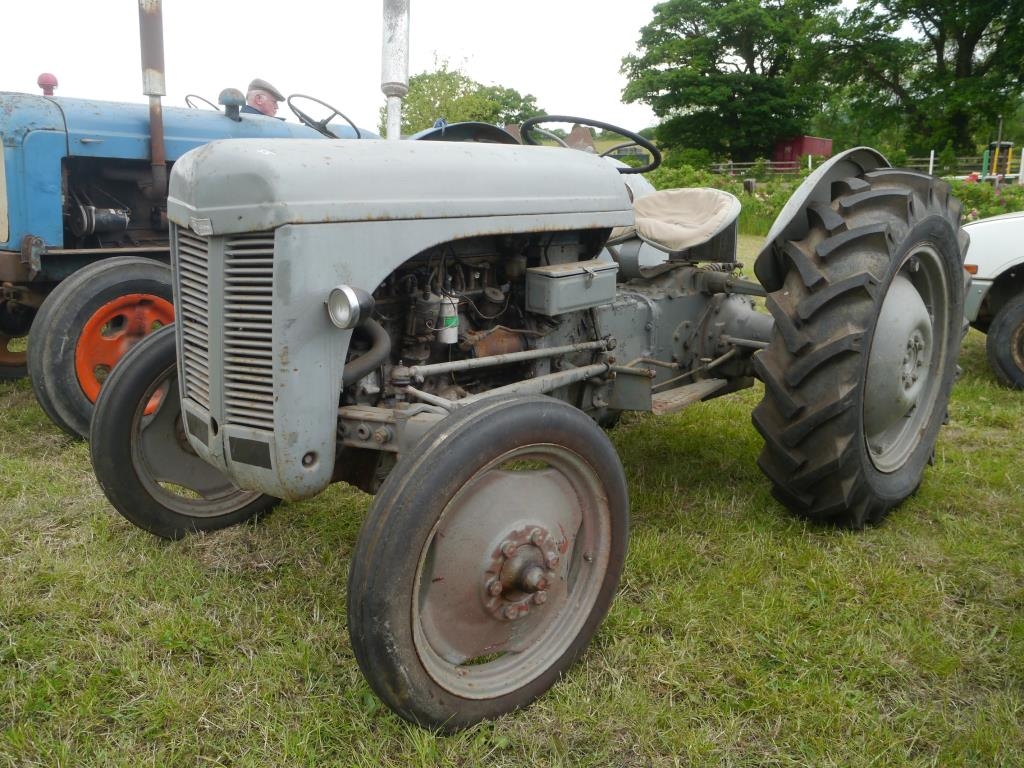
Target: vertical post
[[151, 38], [1020, 168], [999, 146], [394, 78], [931, 162]]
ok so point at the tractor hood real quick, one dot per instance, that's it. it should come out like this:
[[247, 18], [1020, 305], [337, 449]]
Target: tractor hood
[[244, 186], [121, 130]]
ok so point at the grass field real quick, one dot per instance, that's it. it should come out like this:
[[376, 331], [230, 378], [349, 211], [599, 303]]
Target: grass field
[[741, 636]]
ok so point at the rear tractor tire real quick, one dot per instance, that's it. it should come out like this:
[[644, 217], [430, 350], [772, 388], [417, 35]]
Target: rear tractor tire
[[862, 359]]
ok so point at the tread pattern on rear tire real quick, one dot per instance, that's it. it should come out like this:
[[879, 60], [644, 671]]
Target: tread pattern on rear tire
[[825, 312]]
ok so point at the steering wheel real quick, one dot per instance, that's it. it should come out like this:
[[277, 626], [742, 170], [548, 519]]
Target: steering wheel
[[193, 97], [529, 128], [320, 125]]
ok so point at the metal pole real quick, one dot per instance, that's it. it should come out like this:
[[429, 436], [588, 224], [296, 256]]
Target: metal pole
[[931, 162], [999, 145], [395, 63], [151, 35]]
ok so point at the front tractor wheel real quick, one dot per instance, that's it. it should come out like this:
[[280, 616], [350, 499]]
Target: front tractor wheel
[[143, 460], [868, 324], [488, 560]]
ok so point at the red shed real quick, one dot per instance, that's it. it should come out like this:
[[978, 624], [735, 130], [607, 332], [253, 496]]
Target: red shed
[[792, 149]]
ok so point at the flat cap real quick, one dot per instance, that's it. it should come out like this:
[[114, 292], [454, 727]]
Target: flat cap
[[263, 85]]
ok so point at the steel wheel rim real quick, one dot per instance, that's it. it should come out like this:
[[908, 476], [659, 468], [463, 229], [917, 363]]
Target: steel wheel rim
[[164, 456], [99, 348], [534, 642], [907, 357]]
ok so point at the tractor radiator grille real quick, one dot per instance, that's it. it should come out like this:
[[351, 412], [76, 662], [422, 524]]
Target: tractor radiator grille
[[248, 337], [246, 366], [193, 304]]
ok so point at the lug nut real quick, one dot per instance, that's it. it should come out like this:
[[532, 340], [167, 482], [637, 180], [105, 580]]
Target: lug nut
[[534, 579], [509, 548], [553, 560], [495, 588], [539, 598], [513, 612], [537, 536]]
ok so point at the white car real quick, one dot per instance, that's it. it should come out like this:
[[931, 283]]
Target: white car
[[995, 302]]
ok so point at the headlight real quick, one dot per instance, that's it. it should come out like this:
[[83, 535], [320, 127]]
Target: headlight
[[347, 305]]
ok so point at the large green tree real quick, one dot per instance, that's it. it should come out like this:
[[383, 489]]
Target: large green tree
[[932, 71], [451, 94], [729, 76]]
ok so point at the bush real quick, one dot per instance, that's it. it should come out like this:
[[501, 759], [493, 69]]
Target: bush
[[982, 199]]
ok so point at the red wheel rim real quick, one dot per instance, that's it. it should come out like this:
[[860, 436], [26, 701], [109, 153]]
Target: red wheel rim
[[112, 330]]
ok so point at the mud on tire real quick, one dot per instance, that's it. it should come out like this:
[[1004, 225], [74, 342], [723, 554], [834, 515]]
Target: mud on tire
[[868, 324]]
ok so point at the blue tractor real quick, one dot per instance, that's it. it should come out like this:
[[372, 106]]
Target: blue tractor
[[83, 229]]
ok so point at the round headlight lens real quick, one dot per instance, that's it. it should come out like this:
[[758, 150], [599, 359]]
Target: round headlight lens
[[343, 307]]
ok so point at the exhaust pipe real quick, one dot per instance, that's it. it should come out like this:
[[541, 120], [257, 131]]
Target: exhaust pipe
[[394, 75], [151, 36]]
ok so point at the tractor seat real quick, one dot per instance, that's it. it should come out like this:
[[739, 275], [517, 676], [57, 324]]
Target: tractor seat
[[674, 220]]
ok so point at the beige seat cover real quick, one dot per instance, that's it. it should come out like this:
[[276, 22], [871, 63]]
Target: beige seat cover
[[677, 219]]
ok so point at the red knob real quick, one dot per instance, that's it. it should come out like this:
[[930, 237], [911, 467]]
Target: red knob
[[47, 82]]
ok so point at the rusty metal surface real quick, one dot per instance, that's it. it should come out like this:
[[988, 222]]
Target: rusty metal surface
[[500, 341], [151, 37], [492, 583]]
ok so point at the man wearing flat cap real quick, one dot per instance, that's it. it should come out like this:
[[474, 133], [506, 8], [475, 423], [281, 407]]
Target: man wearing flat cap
[[262, 98]]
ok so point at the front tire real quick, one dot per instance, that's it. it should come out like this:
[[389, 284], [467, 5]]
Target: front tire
[[489, 558], [868, 323], [86, 324], [1005, 343], [142, 459]]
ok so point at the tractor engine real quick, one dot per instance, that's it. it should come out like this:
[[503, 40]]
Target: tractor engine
[[498, 283]]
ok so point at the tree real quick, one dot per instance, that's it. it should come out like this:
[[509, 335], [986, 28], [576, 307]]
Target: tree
[[937, 71], [453, 95], [729, 76]]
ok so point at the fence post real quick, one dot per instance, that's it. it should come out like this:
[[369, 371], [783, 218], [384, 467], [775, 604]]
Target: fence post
[[931, 162]]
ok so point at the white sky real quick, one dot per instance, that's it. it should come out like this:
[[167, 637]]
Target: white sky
[[567, 53]]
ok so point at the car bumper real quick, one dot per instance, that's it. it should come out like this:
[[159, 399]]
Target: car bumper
[[976, 294]]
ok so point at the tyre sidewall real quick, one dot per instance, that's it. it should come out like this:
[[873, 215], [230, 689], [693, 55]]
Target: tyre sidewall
[[71, 305], [405, 513], [111, 436], [940, 233], [999, 343]]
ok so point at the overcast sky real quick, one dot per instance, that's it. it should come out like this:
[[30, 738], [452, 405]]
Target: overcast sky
[[567, 53]]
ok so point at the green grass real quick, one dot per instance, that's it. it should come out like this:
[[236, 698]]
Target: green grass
[[741, 636]]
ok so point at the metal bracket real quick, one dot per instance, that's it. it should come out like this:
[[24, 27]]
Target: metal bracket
[[32, 249]]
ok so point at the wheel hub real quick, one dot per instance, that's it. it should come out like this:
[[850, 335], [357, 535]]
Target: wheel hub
[[517, 578], [898, 365]]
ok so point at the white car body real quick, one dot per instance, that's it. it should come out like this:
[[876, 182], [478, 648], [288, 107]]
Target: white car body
[[997, 251], [995, 302]]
